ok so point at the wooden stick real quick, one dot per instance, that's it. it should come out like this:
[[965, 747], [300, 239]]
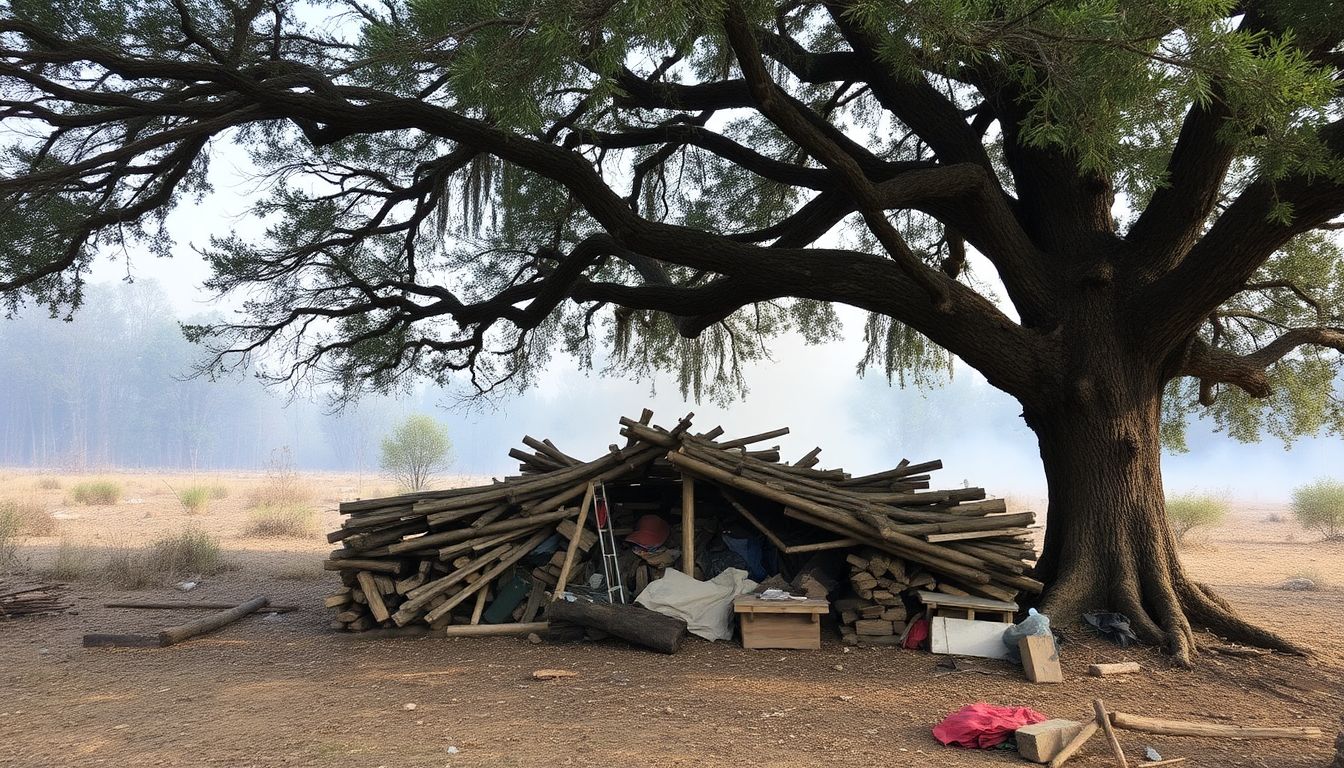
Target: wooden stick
[[821, 546], [1118, 668], [741, 441], [573, 549], [1216, 730], [495, 630], [750, 518], [1100, 709], [688, 525], [1089, 730], [479, 607], [180, 606], [174, 635], [1168, 761]]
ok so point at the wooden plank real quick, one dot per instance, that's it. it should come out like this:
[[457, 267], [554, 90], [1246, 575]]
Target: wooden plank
[[937, 599], [1040, 659], [935, 538], [184, 606], [821, 546], [1090, 729], [754, 604]]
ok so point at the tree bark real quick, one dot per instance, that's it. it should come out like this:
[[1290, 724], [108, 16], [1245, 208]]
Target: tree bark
[[1108, 546]]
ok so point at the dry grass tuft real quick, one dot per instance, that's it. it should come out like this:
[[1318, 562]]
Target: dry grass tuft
[[96, 492], [186, 553], [30, 518], [48, 483], [281, 522], [72, 562]]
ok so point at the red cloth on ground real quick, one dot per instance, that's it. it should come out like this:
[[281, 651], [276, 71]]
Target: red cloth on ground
[[984, 725]]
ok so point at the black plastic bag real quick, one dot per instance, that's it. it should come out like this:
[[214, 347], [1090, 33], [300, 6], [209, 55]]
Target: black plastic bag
[[1113, 627]]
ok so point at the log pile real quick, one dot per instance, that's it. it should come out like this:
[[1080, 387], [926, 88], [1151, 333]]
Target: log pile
[[31, 601], [876, 612], [499, 553]]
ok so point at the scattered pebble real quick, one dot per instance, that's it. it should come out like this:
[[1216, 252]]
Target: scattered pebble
[[667, 710], [408, 706], [452, 750], [534, 638], [839, 667]]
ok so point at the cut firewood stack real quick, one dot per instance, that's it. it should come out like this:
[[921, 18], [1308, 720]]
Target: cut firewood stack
[[31, 601], [499, 553], [876, 612]]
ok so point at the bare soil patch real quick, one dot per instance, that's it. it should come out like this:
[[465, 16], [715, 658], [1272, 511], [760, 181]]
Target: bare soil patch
[[286, 691]]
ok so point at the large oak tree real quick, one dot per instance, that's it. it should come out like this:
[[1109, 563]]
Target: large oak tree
[[455, 188]]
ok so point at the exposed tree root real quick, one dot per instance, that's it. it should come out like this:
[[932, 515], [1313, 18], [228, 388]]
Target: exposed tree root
[[1163, 608]]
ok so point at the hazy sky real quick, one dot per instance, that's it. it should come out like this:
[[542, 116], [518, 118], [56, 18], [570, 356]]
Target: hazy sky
[[862, 424]]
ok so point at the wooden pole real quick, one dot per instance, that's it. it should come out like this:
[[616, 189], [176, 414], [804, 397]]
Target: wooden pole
[[1214, 730], [688, 524], [1105, 721], [574, 542], [494, 630], [1089, 730], [479, 607], [174, 635], [181, 606]]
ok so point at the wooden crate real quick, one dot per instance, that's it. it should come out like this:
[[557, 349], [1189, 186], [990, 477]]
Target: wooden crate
[[780, 623]]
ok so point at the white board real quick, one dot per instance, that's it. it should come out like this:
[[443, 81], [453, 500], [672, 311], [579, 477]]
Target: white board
[[964, 637]]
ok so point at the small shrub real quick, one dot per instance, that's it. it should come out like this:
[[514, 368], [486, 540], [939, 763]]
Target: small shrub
[[71, 563], [32, 518], [282, 486], [96, 492], [48, 483], [218, 491], [194, 498], [11, 531], [185, 553], [280, 522], [1190, 511], [415, 451], [1274, 517], [188, 552], [1319, 507]]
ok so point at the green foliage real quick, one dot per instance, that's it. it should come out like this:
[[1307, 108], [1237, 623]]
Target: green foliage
[[280, 522], [1319, 506], [1189, 511], [96, 492], [195, 498], [416, 450]]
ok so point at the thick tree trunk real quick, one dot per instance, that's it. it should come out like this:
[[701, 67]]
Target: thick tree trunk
[[1108, 545]]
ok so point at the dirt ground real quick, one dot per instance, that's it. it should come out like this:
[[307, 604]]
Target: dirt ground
[[283, 690]]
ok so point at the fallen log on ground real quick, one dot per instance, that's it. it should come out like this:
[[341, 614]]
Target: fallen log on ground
[[174, 635], [640, 626]]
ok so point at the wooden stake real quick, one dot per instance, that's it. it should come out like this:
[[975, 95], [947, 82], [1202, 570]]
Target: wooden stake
[[374, 597], [574, 542], [1089, 730], [1105, 721], [688, 525], [1119, 668], [479, 608]]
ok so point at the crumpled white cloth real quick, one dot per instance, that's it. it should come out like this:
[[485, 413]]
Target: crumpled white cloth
[[779, 594], [705, 606]]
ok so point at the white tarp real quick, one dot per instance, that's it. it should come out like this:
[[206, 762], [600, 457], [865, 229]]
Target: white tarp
[[706, 606]]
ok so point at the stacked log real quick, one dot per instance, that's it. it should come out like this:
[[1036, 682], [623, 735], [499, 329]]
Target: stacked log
[[441, 557], [876, 611]]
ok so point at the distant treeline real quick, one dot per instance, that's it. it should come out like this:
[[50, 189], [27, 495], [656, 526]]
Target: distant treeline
[[110, 389]]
